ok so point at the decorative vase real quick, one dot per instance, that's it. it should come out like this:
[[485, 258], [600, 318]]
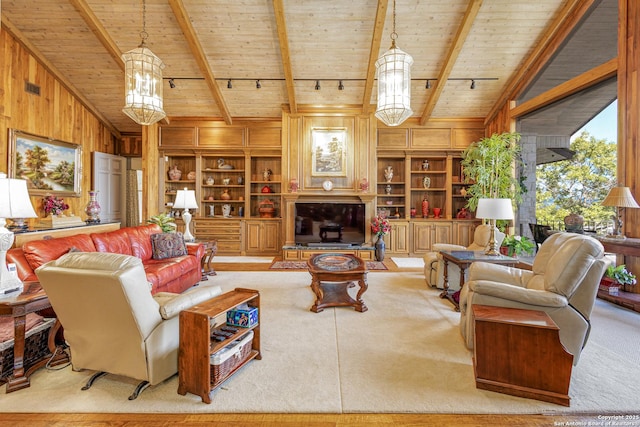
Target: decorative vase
[[240, 179], [364, 185], [225, 195], [436, 213], [412, 212], [226, 211], [380, 249], [425, 165], [425, 208], [191, 175], [212, 210], [93, 208], [293, 185], [266, 174], [226, 181], [387, 189], [210, 180], [175, 174]]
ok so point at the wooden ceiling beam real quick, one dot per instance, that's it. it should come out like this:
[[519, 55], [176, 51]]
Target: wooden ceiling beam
[[22, 39], [100, 32], [201, 59], [374, 52], [458, 42], [283, 38], [553, 38], [583, 81]]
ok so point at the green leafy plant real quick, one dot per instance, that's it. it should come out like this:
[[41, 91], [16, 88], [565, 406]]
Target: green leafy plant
[[517, 245], [489, 166], [620, 274], [166, 223]]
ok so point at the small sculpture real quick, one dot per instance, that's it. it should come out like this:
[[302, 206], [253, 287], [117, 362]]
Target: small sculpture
[[425, 165], [388, 173], [226, 181], [210, 180], [364, 185], [223, 165], [426, 182], [293, 185], [175, 174], [211, 210], [191, 175], [266, 174], [226, 211], [387, 189]]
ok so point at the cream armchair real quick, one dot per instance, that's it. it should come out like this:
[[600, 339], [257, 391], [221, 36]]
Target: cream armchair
[[563, 283], [434, 265], [111, 322]]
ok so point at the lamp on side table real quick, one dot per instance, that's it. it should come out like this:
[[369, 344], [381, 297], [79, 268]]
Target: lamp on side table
[[186, 199], [15, 204], [494, 209]]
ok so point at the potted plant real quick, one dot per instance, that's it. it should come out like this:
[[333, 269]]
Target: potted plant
[[166, 222], [616, 276], [489, 167], [517, 245]]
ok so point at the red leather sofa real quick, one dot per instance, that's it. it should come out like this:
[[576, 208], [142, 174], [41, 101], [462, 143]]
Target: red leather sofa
[[166, 275]]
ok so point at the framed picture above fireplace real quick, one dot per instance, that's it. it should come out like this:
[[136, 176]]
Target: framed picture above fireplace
[[329, 152]]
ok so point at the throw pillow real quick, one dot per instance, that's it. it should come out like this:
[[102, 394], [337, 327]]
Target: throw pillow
[[167, 245]]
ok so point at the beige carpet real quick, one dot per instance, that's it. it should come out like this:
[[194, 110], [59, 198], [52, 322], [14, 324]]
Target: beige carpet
[[403, 355], [408, 262]]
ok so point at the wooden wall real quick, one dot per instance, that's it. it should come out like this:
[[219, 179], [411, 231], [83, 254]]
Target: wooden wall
[[56, 114]]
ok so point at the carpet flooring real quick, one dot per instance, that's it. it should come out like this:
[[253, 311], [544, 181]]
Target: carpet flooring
[[403, 355], [408, 262], [302, 265]]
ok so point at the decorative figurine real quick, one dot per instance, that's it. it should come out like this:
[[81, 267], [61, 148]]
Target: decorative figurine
[[226, 181], [388, 173], [266, 174], [226, 211], [175, 174], [364, 185], [387, 189], [223, 165], [211, 210], [210, 180], [293, 185], [425, 165], [191, 175], [426, 182]]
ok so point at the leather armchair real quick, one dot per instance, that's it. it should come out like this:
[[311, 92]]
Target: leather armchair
[[563, 283], [111, 321], [434, 265]]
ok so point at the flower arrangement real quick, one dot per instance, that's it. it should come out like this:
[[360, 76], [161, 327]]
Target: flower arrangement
[[621, 275], [54, 205], [380, 226], [517, 245]]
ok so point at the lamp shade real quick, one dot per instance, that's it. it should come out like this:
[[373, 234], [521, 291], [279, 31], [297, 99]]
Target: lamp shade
[[494, 209], [15, 198], [185, 199], [620, 197]]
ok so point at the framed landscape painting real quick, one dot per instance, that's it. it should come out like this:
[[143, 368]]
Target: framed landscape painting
[[329, 152], [49, 166]]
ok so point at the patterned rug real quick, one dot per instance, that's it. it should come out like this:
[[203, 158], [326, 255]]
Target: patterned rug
[[302, 265]]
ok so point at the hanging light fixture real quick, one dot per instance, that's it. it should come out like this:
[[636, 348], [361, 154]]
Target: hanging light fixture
[[143, 81], [393, 70]]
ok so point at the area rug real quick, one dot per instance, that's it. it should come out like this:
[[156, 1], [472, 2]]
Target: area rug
[[404, 355], [408, 262], [242, 259], [302, 265]]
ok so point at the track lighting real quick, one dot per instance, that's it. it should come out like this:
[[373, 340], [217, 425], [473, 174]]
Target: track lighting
[[172, 84], [428, 85], [229, 85], [317, 85], [473, 84], [340, 86], [258, 85]]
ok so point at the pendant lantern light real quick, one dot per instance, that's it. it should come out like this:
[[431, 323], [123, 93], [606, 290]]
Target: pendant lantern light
[[143, 81], [393, 70]]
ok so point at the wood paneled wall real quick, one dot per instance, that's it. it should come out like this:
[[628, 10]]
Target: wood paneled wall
[[55, 113]]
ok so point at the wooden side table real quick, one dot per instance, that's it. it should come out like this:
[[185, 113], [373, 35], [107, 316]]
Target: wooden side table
[[463, 260], [519, 352], [332, 275], [210, 250], [31, 300]]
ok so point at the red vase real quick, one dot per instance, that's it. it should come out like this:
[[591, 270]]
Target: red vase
[[425, 208]]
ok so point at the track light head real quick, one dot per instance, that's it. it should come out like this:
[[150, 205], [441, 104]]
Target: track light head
[[258, 85], [172, 84], [229, 85], [473, 84], [317, 85], [340, 86], [428, 85]]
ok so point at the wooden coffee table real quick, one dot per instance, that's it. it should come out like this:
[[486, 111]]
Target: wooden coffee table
[[463, 260], [331, 277], [32, 299]]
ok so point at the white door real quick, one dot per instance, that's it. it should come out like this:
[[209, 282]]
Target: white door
[[109, 179]]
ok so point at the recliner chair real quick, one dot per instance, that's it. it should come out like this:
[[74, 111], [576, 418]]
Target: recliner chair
[[434, 265], [563, 283], [111, 321]]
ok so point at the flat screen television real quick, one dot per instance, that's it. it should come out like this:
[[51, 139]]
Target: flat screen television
[[331, 223]]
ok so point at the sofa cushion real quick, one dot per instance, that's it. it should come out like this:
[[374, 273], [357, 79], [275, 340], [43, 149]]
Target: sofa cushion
[[167, 245], [39, 252], [140, 240], [115, 242]]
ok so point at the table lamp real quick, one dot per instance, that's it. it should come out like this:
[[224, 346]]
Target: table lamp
[[620, 197], [494, 209], [186, 199], [16, 204]]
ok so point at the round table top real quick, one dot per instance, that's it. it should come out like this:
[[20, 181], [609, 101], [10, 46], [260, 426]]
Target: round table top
[[335, 262]]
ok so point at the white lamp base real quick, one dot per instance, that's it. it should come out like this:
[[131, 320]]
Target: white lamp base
[[9, 283], [186, 217]]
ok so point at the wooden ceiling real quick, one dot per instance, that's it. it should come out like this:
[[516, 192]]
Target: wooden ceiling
[[288, 45]]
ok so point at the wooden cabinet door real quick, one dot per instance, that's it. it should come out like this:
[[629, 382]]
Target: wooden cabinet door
[[398, 238], [463, 232], [426, 233], [263, 237]]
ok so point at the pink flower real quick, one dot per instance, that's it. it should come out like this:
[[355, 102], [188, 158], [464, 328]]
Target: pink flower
[[380, 226], [54, 205]]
